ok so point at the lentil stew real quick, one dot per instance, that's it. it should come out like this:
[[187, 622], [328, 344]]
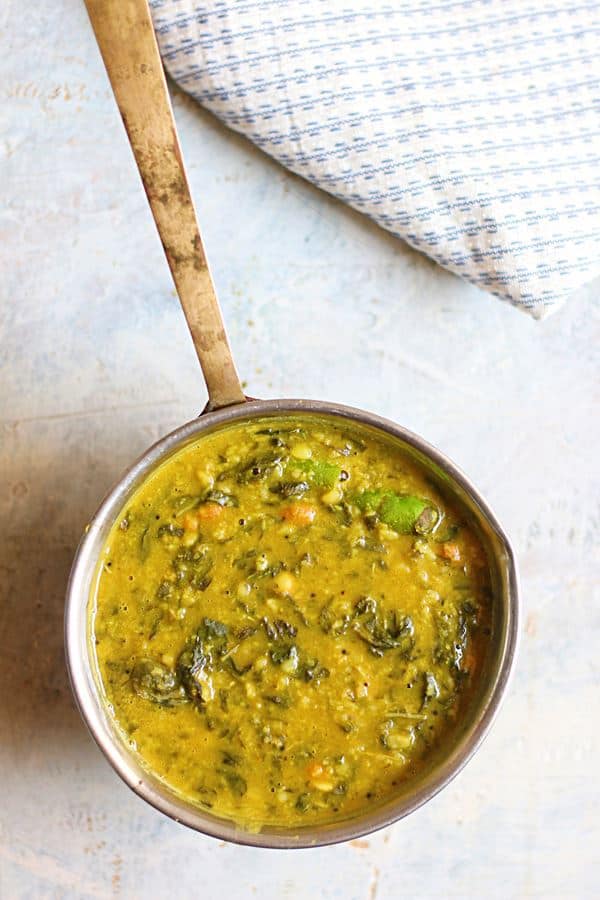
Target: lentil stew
[[288, 619]]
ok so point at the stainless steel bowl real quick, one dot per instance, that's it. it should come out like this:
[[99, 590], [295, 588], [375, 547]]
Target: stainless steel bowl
[[451, 756]]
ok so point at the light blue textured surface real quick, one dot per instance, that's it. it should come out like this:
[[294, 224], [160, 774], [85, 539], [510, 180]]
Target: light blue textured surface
[[96, 364], [471, 128]]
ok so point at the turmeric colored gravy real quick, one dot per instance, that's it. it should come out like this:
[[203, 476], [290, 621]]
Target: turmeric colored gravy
[[287, 619]]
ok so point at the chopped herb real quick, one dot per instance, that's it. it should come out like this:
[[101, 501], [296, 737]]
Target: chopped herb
[[404, 513], [317, 472]]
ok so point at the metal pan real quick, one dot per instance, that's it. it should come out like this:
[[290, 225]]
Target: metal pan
[[126, 38]]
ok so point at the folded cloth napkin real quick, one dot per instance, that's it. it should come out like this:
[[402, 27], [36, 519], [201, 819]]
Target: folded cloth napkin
[[469, 128]]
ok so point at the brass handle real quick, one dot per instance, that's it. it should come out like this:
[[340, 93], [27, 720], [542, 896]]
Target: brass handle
[[127, 42]]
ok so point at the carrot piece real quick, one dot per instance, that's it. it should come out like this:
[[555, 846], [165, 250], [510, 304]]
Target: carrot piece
[[209, 510], [207, 513], [190, 521], [299, 514], [450, 551]]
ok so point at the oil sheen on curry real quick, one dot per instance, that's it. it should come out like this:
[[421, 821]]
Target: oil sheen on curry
[[288, 619]]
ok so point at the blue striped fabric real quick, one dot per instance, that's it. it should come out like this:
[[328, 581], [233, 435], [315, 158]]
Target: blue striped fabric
[[469, 128]]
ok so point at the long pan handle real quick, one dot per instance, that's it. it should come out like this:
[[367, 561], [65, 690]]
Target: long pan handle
[[127, 42]]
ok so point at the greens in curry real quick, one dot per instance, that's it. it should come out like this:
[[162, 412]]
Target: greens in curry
[[288, 619]]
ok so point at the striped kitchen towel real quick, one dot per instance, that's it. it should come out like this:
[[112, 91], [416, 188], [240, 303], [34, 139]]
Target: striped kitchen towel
[[469, 128]]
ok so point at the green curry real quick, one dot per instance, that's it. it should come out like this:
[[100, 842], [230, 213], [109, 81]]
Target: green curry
[[288, 619]]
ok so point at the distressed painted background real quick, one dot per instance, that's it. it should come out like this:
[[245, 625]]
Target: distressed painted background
[[96, 364]]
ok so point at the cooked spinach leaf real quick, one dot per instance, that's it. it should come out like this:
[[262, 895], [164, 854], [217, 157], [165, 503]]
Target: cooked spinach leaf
[[170, 530], [199, 657], [235, 782], [259, 468], [291, 488], [153, 681], [383, 631], [220, 497]]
